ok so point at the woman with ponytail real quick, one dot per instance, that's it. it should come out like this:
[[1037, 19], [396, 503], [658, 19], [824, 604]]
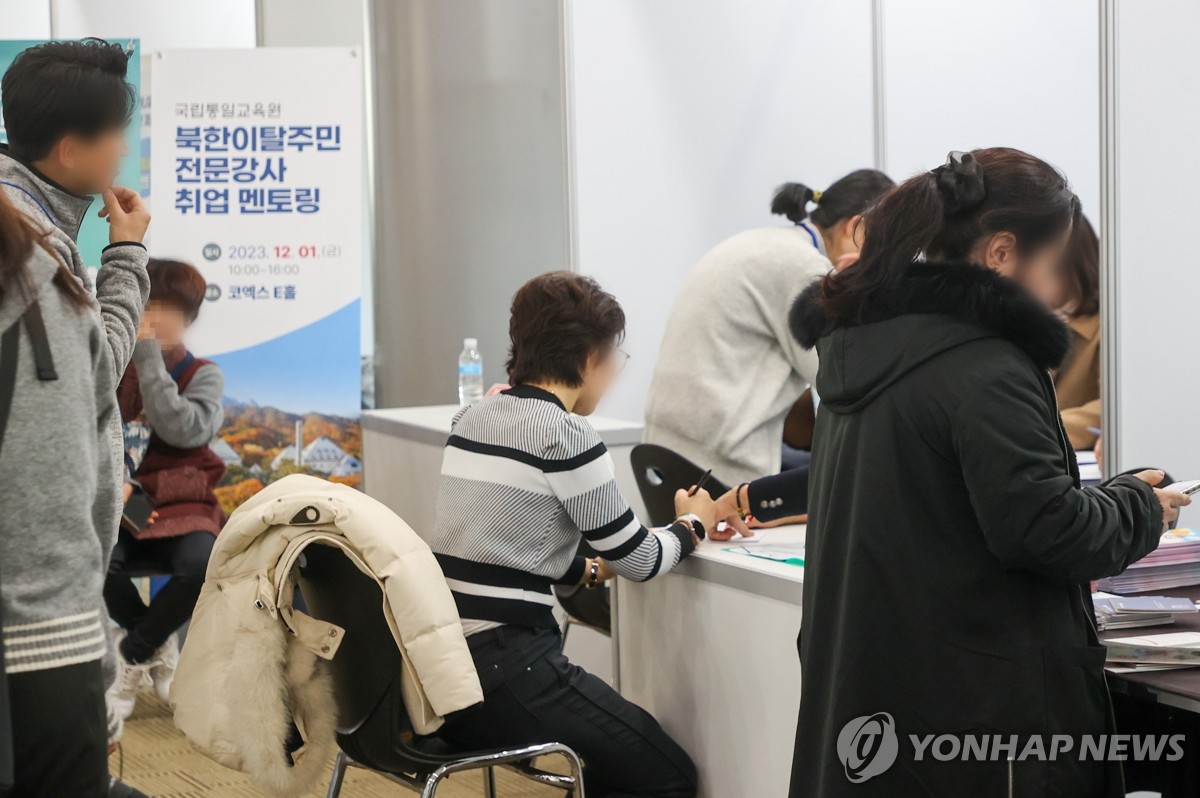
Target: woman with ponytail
[[950, 544], [727, 340]]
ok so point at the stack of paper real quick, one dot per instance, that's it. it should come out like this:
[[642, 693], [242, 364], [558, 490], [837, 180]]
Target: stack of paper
[[1115, 612], [1089, 468], [1175, 563]]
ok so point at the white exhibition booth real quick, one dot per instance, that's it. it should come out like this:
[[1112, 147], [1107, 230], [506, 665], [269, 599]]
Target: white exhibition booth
[[673, 146], [624, 138]]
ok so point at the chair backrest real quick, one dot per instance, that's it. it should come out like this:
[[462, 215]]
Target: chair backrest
[[660, 472], [368, 660]]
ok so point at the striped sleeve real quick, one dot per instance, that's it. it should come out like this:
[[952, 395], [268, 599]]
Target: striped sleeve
[[580, 472]]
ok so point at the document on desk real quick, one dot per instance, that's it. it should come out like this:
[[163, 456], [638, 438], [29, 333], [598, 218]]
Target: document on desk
[[778, 552]]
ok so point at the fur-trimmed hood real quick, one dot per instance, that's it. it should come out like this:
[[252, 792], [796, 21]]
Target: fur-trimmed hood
[[254, 666], [937, 307], [964, 291]]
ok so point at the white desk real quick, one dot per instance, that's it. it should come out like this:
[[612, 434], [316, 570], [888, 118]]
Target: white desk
[[710, 650], [402, 457]]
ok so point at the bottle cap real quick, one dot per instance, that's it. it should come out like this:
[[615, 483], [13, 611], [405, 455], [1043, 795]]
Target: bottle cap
[[470, 343]]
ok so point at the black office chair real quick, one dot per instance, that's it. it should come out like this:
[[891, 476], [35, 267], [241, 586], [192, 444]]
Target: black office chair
[[660, 472], [373, 727]]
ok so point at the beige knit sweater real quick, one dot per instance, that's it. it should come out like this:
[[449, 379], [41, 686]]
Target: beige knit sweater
[[729, 370]]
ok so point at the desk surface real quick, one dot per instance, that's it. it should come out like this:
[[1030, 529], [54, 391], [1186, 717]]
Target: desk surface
[[714, 563], [1179, 687], [431, 424]]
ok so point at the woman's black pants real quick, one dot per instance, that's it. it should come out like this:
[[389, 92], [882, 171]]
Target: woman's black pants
[[532, 694]]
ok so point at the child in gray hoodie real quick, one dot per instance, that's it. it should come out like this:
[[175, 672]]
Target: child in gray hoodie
[[65, 108]]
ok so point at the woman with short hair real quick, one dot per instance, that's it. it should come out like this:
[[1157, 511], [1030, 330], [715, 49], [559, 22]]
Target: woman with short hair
[[525, 477], [170, 401]]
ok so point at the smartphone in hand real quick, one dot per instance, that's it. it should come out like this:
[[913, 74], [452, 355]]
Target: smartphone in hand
[[137, 512], [1187, 487]]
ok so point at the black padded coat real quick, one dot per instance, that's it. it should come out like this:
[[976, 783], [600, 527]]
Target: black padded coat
[[950, 547]]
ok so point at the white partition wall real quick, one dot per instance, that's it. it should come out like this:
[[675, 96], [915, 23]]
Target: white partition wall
[[624, 138], [470, 181], [25, 20], [1154, 175], [1015, 73], [686, 115], [160, 24]]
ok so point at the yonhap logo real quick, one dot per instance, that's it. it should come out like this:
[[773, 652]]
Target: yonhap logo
[[868, 746]]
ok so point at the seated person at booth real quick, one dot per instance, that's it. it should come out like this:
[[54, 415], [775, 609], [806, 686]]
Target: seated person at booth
[[170, 402], [1077, 380], [728, 370], [525, 477]]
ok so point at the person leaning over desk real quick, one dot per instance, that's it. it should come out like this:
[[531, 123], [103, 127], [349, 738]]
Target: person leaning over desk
[[743, 370], [524, 478], [1073, 291], [950, 545]]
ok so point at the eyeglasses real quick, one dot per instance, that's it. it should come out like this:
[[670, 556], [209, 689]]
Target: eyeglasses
[[622, 359]]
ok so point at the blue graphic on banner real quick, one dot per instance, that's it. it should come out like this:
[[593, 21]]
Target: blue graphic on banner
[[284, 372]]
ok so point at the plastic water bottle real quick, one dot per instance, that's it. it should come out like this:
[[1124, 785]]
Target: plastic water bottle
[[470, 373]]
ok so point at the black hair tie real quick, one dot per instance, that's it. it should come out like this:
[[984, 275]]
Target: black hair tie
[[960, 183]]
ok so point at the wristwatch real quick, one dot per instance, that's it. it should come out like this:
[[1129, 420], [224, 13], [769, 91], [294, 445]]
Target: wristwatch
[[693, 521]]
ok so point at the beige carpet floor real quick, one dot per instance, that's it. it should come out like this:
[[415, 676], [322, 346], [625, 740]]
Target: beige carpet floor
[[158, 760]]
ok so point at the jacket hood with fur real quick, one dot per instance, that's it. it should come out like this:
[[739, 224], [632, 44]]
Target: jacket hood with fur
[[253, 666], [936, 307]]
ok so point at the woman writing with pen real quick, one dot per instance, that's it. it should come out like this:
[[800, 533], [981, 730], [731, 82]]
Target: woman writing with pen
[[525, 477]]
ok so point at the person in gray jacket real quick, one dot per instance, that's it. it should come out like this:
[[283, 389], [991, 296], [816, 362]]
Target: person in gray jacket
[[66, 105]]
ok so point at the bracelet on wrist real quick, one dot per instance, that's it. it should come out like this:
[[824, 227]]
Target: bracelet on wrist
[[737, 499], [593, 573]]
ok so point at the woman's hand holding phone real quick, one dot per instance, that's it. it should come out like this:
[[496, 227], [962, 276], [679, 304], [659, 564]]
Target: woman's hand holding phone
[[1169, 500]]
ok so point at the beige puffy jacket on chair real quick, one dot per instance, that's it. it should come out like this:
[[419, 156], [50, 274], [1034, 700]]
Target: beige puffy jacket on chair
[[252, 665]]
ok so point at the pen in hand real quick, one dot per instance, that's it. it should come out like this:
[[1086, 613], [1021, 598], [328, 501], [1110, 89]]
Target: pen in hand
[[700, 482]]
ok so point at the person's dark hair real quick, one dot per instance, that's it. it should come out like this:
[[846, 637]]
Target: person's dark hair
[[559, 319], [58, 88], [177, 283], [941, 215], [17, 239], [847, 197], [1081, 270]]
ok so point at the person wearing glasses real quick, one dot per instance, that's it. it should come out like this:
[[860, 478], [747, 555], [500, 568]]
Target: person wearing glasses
[[525, 478]]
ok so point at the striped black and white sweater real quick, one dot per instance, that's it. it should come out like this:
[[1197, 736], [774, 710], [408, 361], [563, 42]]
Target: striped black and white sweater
[[522, 481]]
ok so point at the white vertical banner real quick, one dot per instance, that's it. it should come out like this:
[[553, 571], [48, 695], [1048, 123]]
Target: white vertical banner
[[256, 178]]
